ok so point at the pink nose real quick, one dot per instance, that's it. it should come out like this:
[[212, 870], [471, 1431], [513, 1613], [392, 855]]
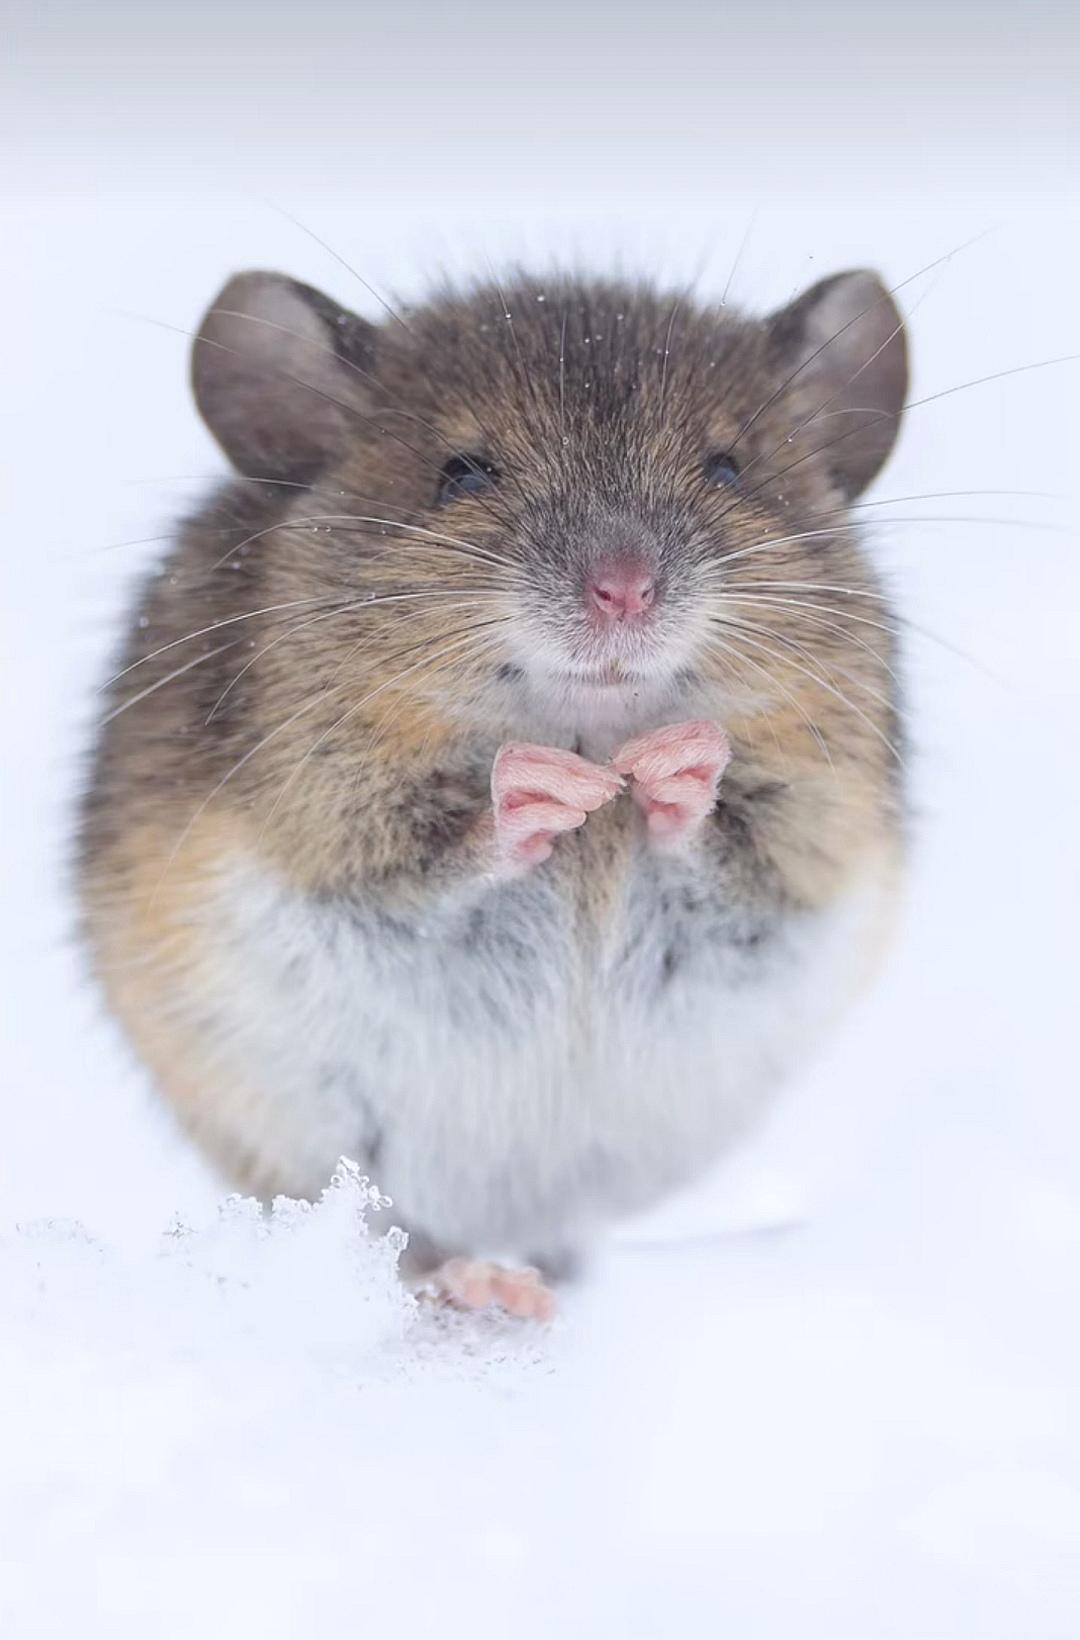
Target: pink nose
[[621, 591]]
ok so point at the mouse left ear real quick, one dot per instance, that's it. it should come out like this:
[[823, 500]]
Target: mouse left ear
[[842, 343], [279, 372]]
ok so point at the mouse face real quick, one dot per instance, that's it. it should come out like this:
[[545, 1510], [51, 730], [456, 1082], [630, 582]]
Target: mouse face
[[589, 492]]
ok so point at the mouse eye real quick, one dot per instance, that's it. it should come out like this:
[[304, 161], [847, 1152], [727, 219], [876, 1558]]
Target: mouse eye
[[466, 475], [720, 468]]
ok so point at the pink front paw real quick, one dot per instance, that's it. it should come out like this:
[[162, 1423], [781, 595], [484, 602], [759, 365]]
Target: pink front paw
[[676, 773], [538, 792]]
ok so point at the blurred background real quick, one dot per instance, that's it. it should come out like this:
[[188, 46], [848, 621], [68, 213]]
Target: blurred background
[[846, 1367]]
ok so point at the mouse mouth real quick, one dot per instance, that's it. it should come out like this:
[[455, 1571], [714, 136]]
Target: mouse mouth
[[613, 674]]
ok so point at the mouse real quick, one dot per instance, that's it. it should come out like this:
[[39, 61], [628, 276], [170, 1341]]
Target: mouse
[[501, 783]]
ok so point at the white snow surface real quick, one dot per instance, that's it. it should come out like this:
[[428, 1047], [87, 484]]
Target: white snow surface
[[829, 1395]]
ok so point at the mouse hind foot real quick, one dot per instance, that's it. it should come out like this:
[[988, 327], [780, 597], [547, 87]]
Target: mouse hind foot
[[479, 1284]]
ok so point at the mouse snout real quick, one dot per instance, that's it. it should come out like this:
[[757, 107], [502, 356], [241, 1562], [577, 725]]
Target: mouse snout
[[620, 588]]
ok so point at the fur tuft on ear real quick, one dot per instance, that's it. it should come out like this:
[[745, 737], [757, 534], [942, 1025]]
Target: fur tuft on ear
[[277, 370], [845, 339]]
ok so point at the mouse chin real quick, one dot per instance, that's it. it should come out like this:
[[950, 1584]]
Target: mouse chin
[[609, 693]]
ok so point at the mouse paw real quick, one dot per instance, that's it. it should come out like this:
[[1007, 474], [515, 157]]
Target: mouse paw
[[676, 773], [474, 1284], [538, 792]]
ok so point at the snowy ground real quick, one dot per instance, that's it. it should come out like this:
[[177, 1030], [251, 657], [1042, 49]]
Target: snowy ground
[[830, 1396]]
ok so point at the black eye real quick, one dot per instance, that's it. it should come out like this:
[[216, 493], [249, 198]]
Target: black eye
[[721, 469], [466, 475]]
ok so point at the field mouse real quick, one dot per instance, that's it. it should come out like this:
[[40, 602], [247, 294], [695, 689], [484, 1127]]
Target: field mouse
[[500, 783]]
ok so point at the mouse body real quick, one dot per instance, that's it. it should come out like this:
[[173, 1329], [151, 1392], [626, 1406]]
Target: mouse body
[[501, 784]]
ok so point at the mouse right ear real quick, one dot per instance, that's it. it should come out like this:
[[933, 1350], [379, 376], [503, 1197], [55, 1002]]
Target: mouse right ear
[[842, 344], [278, 372]]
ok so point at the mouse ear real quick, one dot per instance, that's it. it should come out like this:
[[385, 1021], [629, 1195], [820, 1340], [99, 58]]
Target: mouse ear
[[277, 373], [844, 341]]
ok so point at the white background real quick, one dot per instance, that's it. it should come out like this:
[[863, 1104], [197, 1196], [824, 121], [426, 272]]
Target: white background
[[833, 1393]]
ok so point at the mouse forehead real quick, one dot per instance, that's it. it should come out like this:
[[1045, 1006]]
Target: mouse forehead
[[597, 365]]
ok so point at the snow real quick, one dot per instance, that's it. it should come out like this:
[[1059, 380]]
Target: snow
[[829, 1394]]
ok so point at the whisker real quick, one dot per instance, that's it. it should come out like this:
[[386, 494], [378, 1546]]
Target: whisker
[[901, 622], [152, 688], [330, 251], [744, 241], [885, 295], [847, 529], [309, 705], [823, 407], [326, 615], [830, 667], [562, 379], [775, 683], [809, 612], [913, 404], [465, 635], [667, 349], [204, 631], [391, 311], [485, 643], [361, 518], [823, 684], [732, 655], [996, 376], [440, 537]]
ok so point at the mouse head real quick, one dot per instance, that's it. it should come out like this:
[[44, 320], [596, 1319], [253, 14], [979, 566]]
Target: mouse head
[[605, 494]]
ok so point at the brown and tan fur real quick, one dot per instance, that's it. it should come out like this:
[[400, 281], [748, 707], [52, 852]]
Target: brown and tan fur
[[342, 748]]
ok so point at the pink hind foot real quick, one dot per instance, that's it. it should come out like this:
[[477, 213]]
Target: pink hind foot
[[475, 1284]]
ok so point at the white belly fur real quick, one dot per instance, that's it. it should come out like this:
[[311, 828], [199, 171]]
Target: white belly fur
[[510, 1093]]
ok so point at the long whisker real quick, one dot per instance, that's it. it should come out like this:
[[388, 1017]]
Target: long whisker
[[744, 241], [309, 705], [362, 518], [391, 311], [898, 624], [486, 642], [732, 657], [996, 376], [913, 404], [774, 683], [525, 374], [667, 348], [785, 660], [884, 297], [330, 251], [847, 529], [440, 537], [809, 613], [562, 379], [465, 637], [252, 751], [328, 615], [761, 592], [831, 667], [822, 408], [204, 631], [152, 688]]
